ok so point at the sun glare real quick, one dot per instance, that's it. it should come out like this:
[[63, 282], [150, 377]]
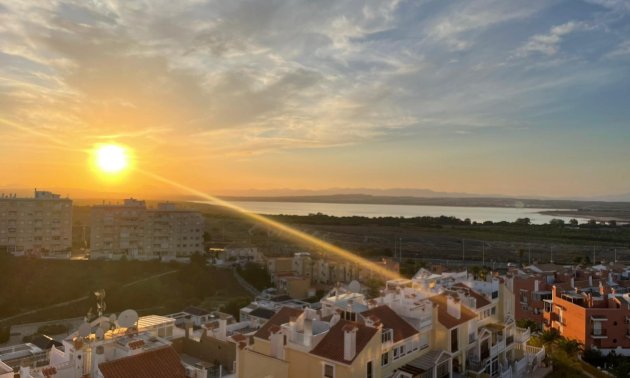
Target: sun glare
[[111, 158]]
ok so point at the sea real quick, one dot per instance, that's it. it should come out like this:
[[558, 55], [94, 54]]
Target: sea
[[478, 214]]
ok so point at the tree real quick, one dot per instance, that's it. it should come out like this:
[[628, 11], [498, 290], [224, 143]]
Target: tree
[[234, 306], [527, 323], [556, 222], [523, 221], [549, 337], [573, 222], [569, 346]]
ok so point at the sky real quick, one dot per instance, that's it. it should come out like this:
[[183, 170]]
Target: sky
[[528, 98]]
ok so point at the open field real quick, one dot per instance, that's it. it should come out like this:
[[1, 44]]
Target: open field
[[31, 284]]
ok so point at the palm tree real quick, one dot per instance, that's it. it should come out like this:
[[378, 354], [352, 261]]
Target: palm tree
[[548, 338], [570, 347]]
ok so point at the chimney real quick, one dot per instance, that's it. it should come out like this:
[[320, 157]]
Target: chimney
[[590, 281], [188, 326], [222, 329], [349, 341], [277, 342], [572, 282], [610, 278], [453, 307], [308, 332], [536, 285]]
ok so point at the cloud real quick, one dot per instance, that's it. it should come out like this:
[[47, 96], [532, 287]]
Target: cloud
[[549, 43], [256, 76]]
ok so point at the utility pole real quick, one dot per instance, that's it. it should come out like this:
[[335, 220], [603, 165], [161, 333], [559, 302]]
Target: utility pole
[[483, 253], [463, 250], [529, 250], [551, 252], [615, 254]]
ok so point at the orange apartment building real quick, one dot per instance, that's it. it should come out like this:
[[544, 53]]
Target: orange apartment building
[[595, 316]]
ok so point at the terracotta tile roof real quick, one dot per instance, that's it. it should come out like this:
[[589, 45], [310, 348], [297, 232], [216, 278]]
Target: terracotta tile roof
[[49, 371], [239, 337], [331, 346], [159, 363], [445, 318], [481, 300], [390, 319], [278, 319]]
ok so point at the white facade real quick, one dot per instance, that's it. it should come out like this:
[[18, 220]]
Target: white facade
[[133, 230], [40, 225]]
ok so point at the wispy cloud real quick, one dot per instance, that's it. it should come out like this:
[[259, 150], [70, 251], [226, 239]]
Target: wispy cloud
[[253, 77], [549, 43]]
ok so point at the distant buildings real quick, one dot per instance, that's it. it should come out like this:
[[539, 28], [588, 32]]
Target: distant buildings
[[40, 226], [134, 231]]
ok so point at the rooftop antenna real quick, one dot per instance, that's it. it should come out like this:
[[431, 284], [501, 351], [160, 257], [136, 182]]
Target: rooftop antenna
[[101, 306]]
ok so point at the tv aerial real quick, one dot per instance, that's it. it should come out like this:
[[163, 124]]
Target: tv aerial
[[127, 318]]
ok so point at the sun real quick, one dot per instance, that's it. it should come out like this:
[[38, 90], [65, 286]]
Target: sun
[[111, 158]]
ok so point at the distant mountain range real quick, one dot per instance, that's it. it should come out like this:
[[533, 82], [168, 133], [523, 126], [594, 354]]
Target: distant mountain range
[[347, 195], [392, 192]]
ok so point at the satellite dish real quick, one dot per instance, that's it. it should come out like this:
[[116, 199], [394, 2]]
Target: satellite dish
[[127, 318], [354, 287], [99, 333], [85, 329]]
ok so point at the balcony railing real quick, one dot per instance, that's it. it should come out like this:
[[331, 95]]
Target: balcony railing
[[522, 335], [509, 340], [602, 333], [476, 365]]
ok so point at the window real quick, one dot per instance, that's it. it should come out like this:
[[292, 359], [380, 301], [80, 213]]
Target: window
[[329, 371], [387, 335], [385, 359], [454, 341], [493, 311], [370, 372]]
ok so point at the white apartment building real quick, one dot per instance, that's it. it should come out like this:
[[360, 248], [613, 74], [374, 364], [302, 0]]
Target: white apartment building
[[41, 225], [133, 230]]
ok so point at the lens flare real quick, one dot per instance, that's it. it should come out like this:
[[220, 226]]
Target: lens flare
[[290, 232]]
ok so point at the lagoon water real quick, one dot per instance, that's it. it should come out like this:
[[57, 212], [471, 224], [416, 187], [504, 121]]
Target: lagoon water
[[479, 214]]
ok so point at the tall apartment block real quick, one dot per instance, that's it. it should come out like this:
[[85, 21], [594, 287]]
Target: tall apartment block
[[134, 231], [41, 225]]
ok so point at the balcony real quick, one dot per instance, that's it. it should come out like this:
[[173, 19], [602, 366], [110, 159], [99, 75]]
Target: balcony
[[599, 334], [509, 340], [522, 335], [472, 338]]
